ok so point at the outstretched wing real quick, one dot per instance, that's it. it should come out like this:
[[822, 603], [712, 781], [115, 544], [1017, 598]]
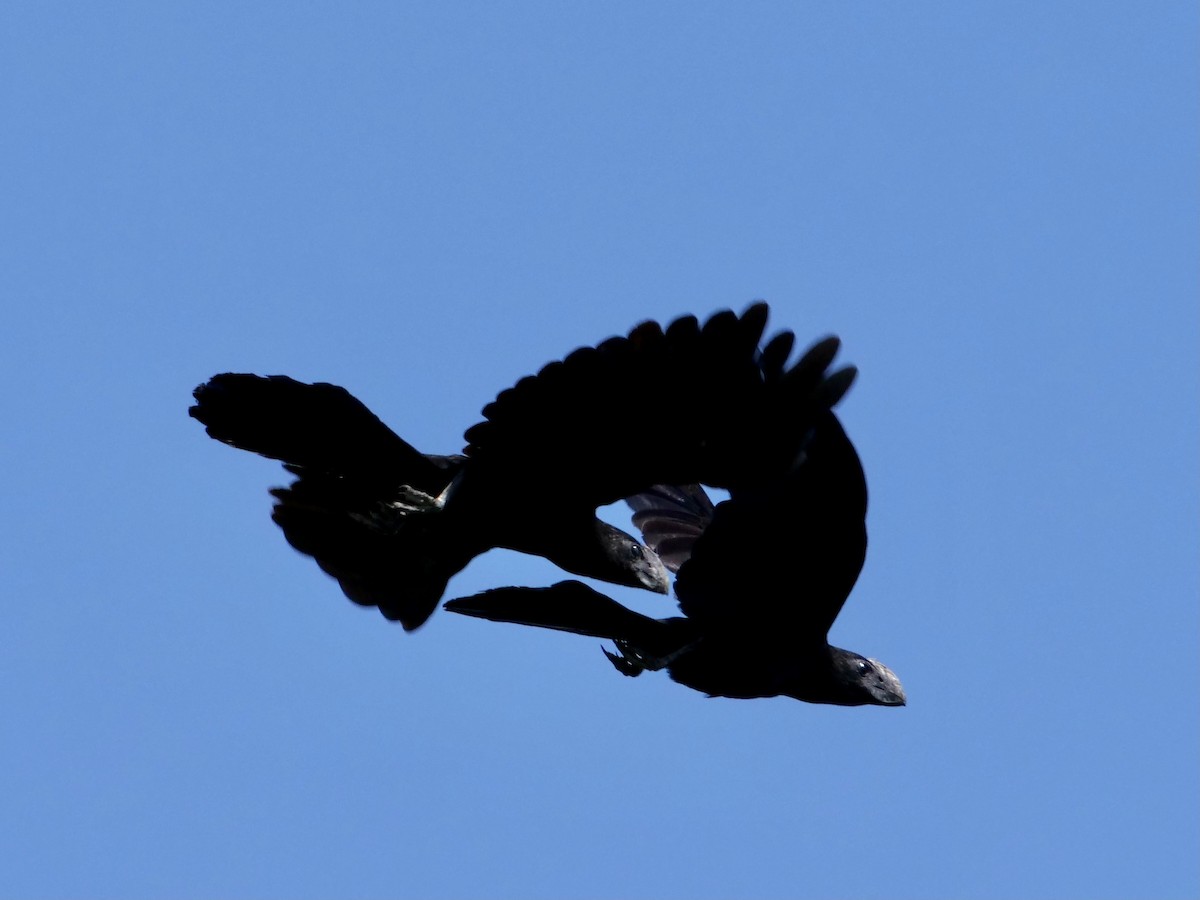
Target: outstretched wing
[[566, 606], [575, 607], [783, 559], [384, 548], [687, 404]]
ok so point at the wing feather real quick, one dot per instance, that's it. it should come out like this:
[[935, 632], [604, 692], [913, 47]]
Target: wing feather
[[670, 519], [687, 404]]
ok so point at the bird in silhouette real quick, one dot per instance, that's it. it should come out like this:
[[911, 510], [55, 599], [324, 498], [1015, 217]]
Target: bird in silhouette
[[760, 580], [688, 403]]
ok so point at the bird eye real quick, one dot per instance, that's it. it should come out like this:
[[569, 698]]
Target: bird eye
[[863, 667], [635, 551]]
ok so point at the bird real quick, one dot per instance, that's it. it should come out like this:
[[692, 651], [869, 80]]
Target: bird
[[760, 579], [690, 402]]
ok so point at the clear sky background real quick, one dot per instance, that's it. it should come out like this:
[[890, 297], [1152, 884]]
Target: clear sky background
[[994, 204]]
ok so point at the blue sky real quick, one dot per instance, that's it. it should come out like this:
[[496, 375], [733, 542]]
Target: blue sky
[[995, 206]]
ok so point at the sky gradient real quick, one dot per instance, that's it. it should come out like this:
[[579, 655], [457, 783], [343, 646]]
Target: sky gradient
[[994, 205]]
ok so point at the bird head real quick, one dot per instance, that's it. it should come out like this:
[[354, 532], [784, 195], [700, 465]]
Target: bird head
[[858, 681], [867, 681], [629, 562]]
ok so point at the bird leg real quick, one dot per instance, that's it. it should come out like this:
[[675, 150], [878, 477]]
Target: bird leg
[[628, 660], [624, 662]]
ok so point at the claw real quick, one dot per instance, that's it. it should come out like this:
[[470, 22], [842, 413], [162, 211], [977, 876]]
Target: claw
[[628, 660], [624, 664]]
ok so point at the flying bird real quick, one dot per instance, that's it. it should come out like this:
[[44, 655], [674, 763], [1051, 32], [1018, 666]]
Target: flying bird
[[760, 580], [688, 403]]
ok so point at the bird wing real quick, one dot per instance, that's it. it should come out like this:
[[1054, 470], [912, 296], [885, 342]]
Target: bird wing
[[784, 559], [385, 548], [687, 404], [565, 606], [671, 518]]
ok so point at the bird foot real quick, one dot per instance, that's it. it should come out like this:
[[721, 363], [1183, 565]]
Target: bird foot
[[626, 664], [410, 500], [628, 660]]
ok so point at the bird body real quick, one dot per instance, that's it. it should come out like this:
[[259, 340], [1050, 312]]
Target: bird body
[[760, 579]]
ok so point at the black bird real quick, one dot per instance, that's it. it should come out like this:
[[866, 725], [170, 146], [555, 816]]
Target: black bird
[[760, 580], [392, 525]]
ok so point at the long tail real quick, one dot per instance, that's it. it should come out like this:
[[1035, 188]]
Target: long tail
[[320, 427], [364, 504]]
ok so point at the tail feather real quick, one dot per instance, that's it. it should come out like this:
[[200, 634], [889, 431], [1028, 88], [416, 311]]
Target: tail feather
[[363, 505], [320, 426]]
